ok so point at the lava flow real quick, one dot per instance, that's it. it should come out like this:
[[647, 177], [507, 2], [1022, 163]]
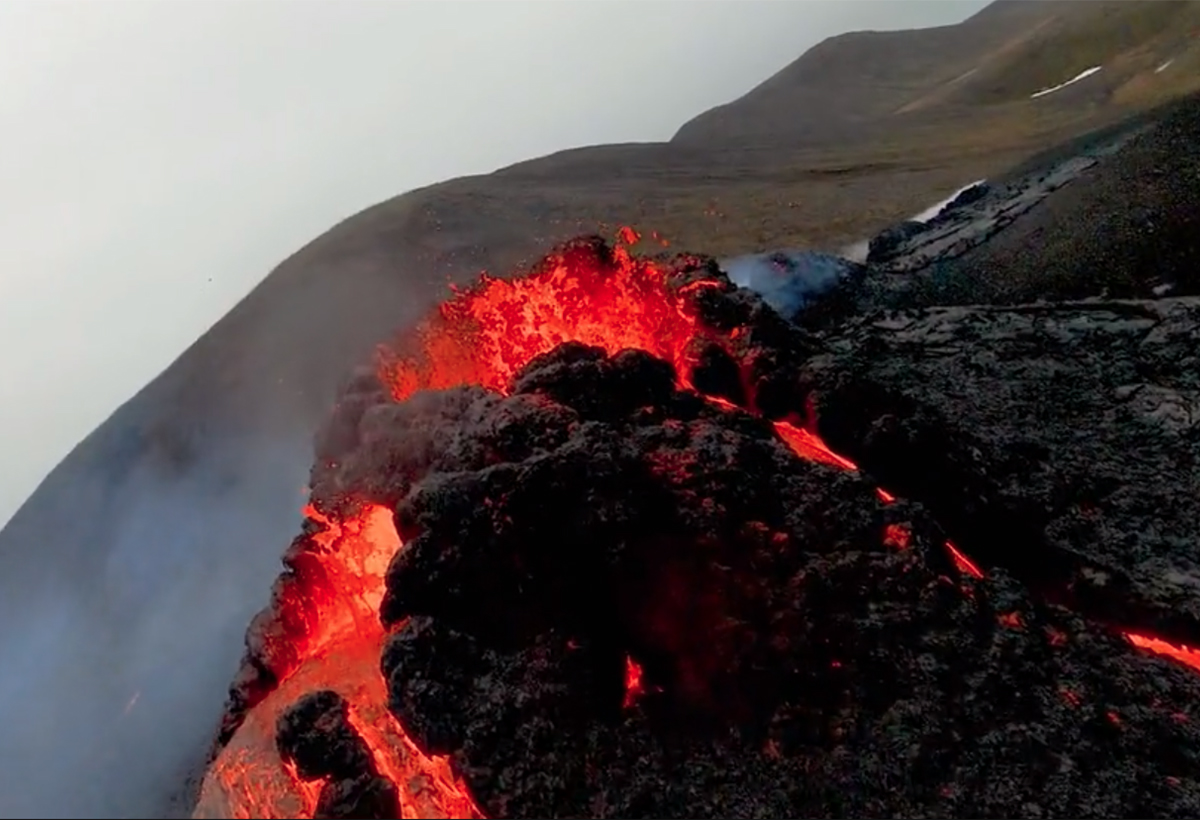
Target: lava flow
[[323, 631], [248, 778], [326, 631]]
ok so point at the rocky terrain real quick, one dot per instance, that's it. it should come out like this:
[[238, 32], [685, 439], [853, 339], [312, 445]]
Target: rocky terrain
[[147, 550]]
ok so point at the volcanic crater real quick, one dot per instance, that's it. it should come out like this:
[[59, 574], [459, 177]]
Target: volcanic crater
[[577, 547]]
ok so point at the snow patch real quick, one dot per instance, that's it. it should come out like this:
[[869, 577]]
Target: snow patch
[[1082, 75], [1163, 67], [859, 251], [934, 210]]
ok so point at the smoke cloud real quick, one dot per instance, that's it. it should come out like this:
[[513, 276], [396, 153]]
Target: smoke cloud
[[789, 280], [115, 660]]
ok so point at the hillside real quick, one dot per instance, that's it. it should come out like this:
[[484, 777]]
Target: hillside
[[979, 76], [144, 553]]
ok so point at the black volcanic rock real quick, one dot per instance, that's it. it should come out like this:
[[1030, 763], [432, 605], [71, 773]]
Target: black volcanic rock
[[889, 242], [366, 797], [1059, 441], [315, 734], [805, 649]]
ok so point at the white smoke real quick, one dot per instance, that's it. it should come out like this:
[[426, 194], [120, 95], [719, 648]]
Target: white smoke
[[857, 251], [789, 280], [113, 671]]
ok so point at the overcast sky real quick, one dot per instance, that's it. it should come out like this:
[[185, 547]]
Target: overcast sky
[[159, 157]]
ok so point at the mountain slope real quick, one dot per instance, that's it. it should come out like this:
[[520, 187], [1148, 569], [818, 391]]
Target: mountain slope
[[128, 577], [858, 86]]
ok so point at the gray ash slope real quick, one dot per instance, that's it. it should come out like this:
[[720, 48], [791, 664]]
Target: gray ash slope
[[1113, 214]]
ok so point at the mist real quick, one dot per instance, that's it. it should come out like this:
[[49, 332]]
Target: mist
[[110, 696]]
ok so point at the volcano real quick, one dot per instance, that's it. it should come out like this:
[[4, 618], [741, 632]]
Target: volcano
[[576, 546], [128, 578]]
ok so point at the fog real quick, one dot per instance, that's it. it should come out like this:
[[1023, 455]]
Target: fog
[[160, 159], [112, 683]]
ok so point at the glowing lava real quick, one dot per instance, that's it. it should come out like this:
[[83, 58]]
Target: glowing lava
[[249, 780], [633, 682], [483, 335], [1178, 652]]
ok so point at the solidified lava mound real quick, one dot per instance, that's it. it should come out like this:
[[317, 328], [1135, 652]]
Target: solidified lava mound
[[626, 580], [793, 663]]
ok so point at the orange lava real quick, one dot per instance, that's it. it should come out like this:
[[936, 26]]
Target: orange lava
[[897, 536], [248, 779], [633, 682], [808, 445], [1011, 620], [963, 563], [1186, 655], [483, 335]]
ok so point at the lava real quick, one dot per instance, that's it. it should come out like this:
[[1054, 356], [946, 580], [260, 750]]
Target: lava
[[485, 334], [482, 336], [1186, 655], [343, 656], [634, 688]]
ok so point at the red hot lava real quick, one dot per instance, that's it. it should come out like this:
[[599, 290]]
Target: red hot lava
[[325, 631]]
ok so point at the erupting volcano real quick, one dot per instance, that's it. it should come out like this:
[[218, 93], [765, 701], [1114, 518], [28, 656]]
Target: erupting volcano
[[576, 548]]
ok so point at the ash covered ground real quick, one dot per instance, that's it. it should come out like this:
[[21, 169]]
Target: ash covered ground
[[804, 648]]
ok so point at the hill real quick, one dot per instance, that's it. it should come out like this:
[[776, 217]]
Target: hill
[[982, 75], [129, 575]]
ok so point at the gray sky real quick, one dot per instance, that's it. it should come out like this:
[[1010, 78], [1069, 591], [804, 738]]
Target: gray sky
[[160, 156]]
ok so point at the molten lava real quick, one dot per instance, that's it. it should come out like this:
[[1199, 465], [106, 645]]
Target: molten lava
[[483, 335], [342, 655], [634, 688], [1185, 655]]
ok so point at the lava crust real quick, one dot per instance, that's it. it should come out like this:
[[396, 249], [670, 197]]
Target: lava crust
[[794, 664]]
